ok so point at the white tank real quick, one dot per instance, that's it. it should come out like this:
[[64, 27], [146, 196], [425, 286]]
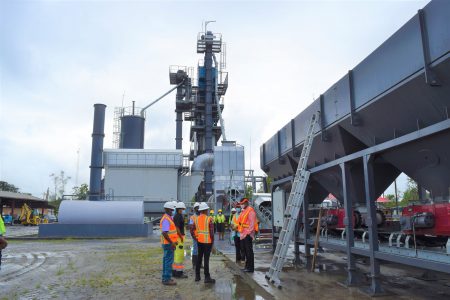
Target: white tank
[[101, 212]]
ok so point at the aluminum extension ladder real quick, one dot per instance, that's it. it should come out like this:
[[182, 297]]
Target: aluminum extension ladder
[[293, 206]]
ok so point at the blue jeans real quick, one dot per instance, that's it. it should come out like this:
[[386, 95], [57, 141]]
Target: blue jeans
[[167, 262], [194, 247]]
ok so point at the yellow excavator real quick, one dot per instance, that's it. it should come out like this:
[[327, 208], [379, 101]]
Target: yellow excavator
[[29, 216]]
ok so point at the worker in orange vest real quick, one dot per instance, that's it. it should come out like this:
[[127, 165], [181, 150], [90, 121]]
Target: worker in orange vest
[[240, 256], [169, 238], [204, 235], [246, 228]]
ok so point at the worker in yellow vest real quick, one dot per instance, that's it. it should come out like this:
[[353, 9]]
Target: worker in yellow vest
[[235, 235], [169, 241], [3, 242], [246, 228], [194, 253], [178, 261], [213, 217], [204, 234], [220, 221]]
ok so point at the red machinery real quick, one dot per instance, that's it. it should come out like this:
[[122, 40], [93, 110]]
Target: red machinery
[[426, 219]]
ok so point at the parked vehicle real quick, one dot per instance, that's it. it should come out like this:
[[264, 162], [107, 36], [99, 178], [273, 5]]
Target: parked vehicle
[[50, 218], [8, 219]]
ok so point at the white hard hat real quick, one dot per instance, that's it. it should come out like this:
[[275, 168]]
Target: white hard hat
[[233, 209], [203, 206], [181, 205], [196, 204], [169, 205]]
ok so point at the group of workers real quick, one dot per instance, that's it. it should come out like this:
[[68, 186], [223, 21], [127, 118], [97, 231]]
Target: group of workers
[[243, 223]]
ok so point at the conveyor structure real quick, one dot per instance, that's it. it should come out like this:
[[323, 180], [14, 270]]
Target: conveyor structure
[[388, 115]]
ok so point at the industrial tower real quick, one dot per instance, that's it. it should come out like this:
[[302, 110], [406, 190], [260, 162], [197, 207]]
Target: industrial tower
[[200, 103]]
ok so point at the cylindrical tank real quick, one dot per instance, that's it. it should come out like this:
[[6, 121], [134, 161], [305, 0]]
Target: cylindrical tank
[[98, 133], [101, 212], [132, 132]]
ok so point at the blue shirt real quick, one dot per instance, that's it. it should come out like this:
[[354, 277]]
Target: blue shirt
[[166, 225]]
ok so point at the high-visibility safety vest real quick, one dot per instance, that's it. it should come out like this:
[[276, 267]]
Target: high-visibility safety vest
[[234, 219], [2, 227], [202, 229], [243, 218], [193, 218], [173, 235], [220, 219]]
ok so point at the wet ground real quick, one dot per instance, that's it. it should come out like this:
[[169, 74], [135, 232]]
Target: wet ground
[[21, 231], [107, 269], [131, 269], [400, 282]]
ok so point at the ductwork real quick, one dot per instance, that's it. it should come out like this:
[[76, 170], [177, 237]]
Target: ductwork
[[201, 162]]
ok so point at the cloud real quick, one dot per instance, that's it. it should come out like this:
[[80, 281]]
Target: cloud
[[59, 58]]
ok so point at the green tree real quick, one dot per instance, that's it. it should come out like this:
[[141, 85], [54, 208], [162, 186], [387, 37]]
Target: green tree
[[411, 193], [7, 187], [268, 180], [249, 191], [81, 192], [391, 197]]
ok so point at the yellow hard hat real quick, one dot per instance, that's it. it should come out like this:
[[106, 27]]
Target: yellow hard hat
[[219, 210], [211, 211]]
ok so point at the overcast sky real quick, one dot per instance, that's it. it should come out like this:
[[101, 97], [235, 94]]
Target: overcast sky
[[58, 58]]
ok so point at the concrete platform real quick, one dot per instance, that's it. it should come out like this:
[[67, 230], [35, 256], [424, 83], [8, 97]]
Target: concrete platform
[[57, 230]]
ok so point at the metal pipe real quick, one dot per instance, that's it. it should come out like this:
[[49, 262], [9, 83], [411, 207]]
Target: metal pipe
[[202, 162], [170, 91], [222, 124], [98, 134]]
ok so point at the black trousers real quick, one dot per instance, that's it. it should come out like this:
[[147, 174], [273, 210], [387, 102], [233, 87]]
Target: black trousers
[[204, 250], [240, 254], [0, 257], [248, 250]]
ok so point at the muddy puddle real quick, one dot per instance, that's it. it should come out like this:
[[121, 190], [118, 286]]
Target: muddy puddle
[[236, 288]]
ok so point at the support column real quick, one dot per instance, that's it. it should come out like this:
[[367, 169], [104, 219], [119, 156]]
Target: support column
[[179, 119], [349, 226], [306, 230], [369, 184], [209, 146]]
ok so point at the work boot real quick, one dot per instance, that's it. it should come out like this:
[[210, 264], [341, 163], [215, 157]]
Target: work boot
[[170, 282], [197, 278], [180, 274], [210, 280]]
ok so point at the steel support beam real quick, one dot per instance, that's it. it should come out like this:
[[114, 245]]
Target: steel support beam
[[369, 185], [430, 76], [209, 144], [306, 231], [348, 222], [407, 138], [439, 263]]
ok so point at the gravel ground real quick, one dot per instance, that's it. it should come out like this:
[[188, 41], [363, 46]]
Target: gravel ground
[[106, 269]]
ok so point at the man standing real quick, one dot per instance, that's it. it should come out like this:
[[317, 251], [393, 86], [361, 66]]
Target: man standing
[[191, 229], [169, 238], [247, 220], [204, 234], [178, 261], [235, 234], [3, 242], [220, 220], [213, 217]]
